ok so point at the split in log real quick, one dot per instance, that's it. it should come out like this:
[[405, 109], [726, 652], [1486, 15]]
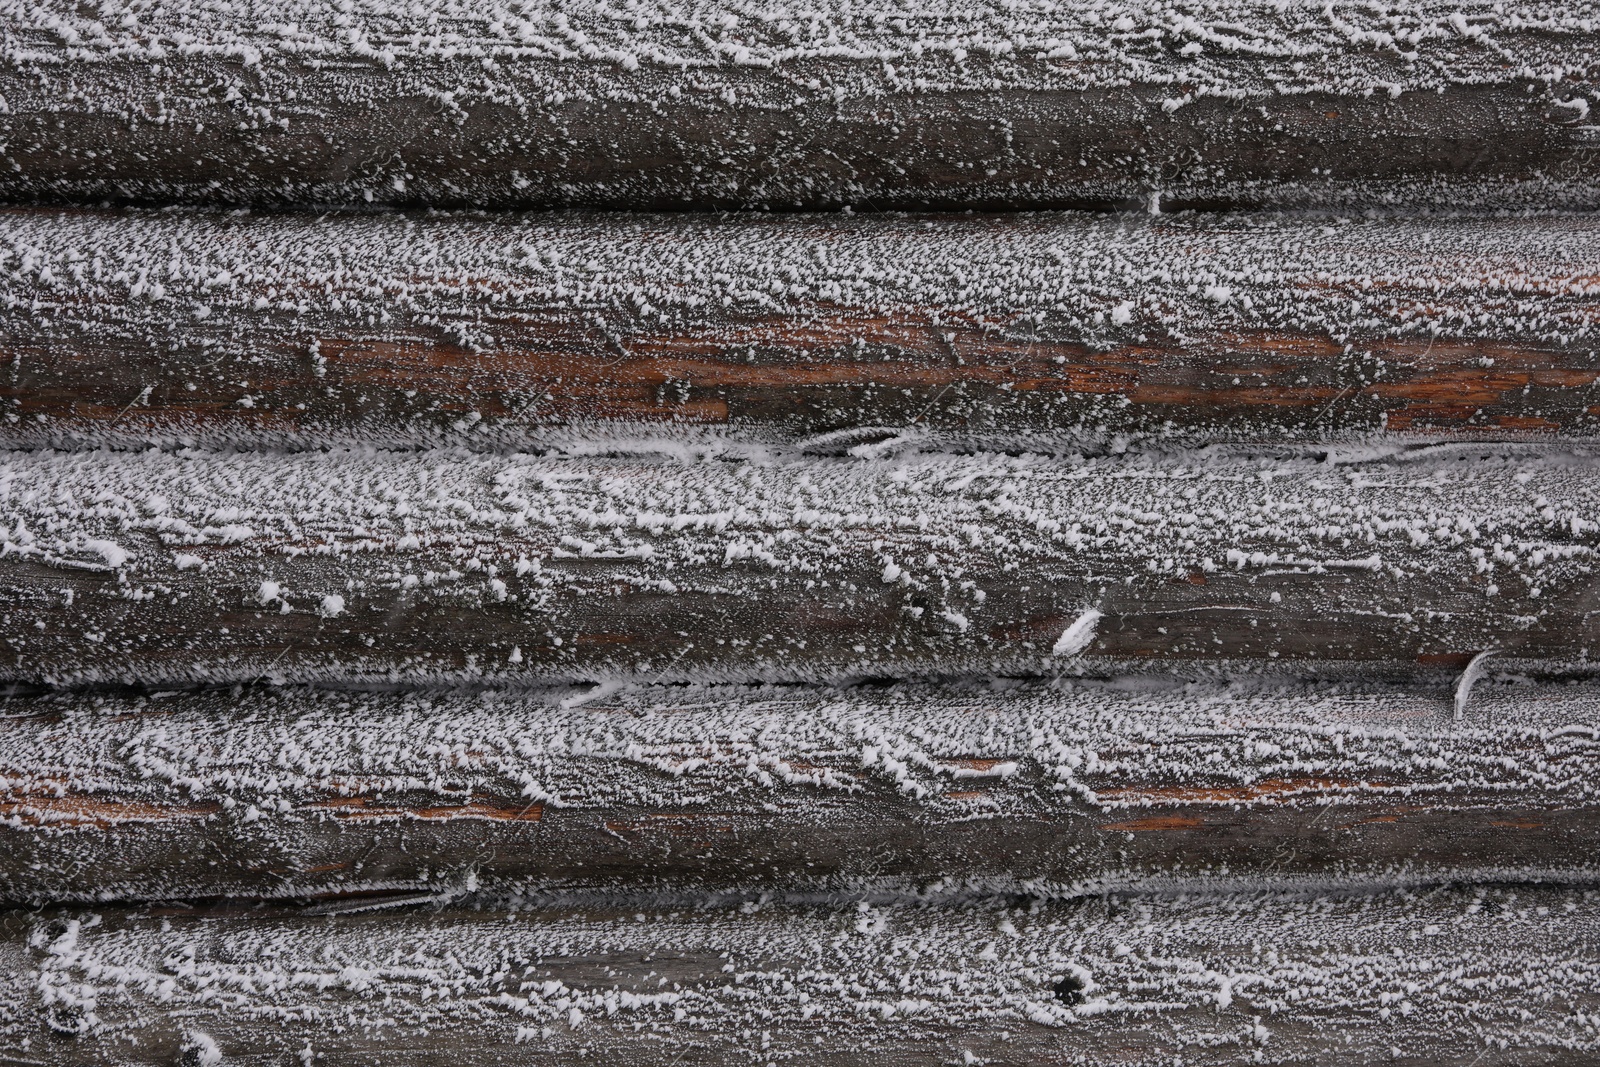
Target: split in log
[[131, 568], [842, 103], [1450, 977], [558, 331], [1064, 788]]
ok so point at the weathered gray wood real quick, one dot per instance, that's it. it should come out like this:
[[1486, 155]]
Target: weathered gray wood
[[1451, 976], [444, 565], [289, 793], [868, 104], [553, 331]]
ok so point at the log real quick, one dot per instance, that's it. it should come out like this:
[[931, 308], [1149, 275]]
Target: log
[[1248, 102], [154, 568], [1052, 788], [552, 331], [1455, 976]]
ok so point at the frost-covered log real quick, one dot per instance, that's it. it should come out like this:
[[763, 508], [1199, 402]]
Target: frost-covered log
[[734, 104], [545, 330], [153, 567], [299, 794], [1456, 976]]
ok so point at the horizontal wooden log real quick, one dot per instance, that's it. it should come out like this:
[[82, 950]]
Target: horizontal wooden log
[[550, 331], [1058, 788], [151, 568], [873, 105], [1452, 977]]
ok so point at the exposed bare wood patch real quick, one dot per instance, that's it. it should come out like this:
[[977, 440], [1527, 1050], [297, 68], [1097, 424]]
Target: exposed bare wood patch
[[70, 812]]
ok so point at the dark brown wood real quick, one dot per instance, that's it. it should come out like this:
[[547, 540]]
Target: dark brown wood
[[299, 794], [1447, 977], [869, 105], [153, 568], [553, 331], [675, 496]]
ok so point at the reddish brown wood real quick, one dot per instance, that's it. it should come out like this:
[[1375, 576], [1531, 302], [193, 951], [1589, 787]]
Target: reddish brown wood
[[530, 332]]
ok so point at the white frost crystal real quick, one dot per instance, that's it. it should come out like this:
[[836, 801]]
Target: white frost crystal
[[1076, 638]]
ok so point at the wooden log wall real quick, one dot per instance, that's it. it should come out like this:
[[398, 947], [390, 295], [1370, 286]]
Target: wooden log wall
[[1449, 975], [874, 105], [1042, 787], [154, 568], [1096, 565], [552, 330]]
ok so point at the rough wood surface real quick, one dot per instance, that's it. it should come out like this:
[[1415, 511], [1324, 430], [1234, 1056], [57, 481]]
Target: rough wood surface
[[556, 331], [736, 104], [646, 483], [154, 567], [1466, 976], [990, 788]]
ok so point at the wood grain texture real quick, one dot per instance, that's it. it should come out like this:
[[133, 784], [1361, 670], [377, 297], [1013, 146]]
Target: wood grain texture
[[990, 788], [603, 534], [560, 331], [448, 566], [741, 105], [1452, 976]]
